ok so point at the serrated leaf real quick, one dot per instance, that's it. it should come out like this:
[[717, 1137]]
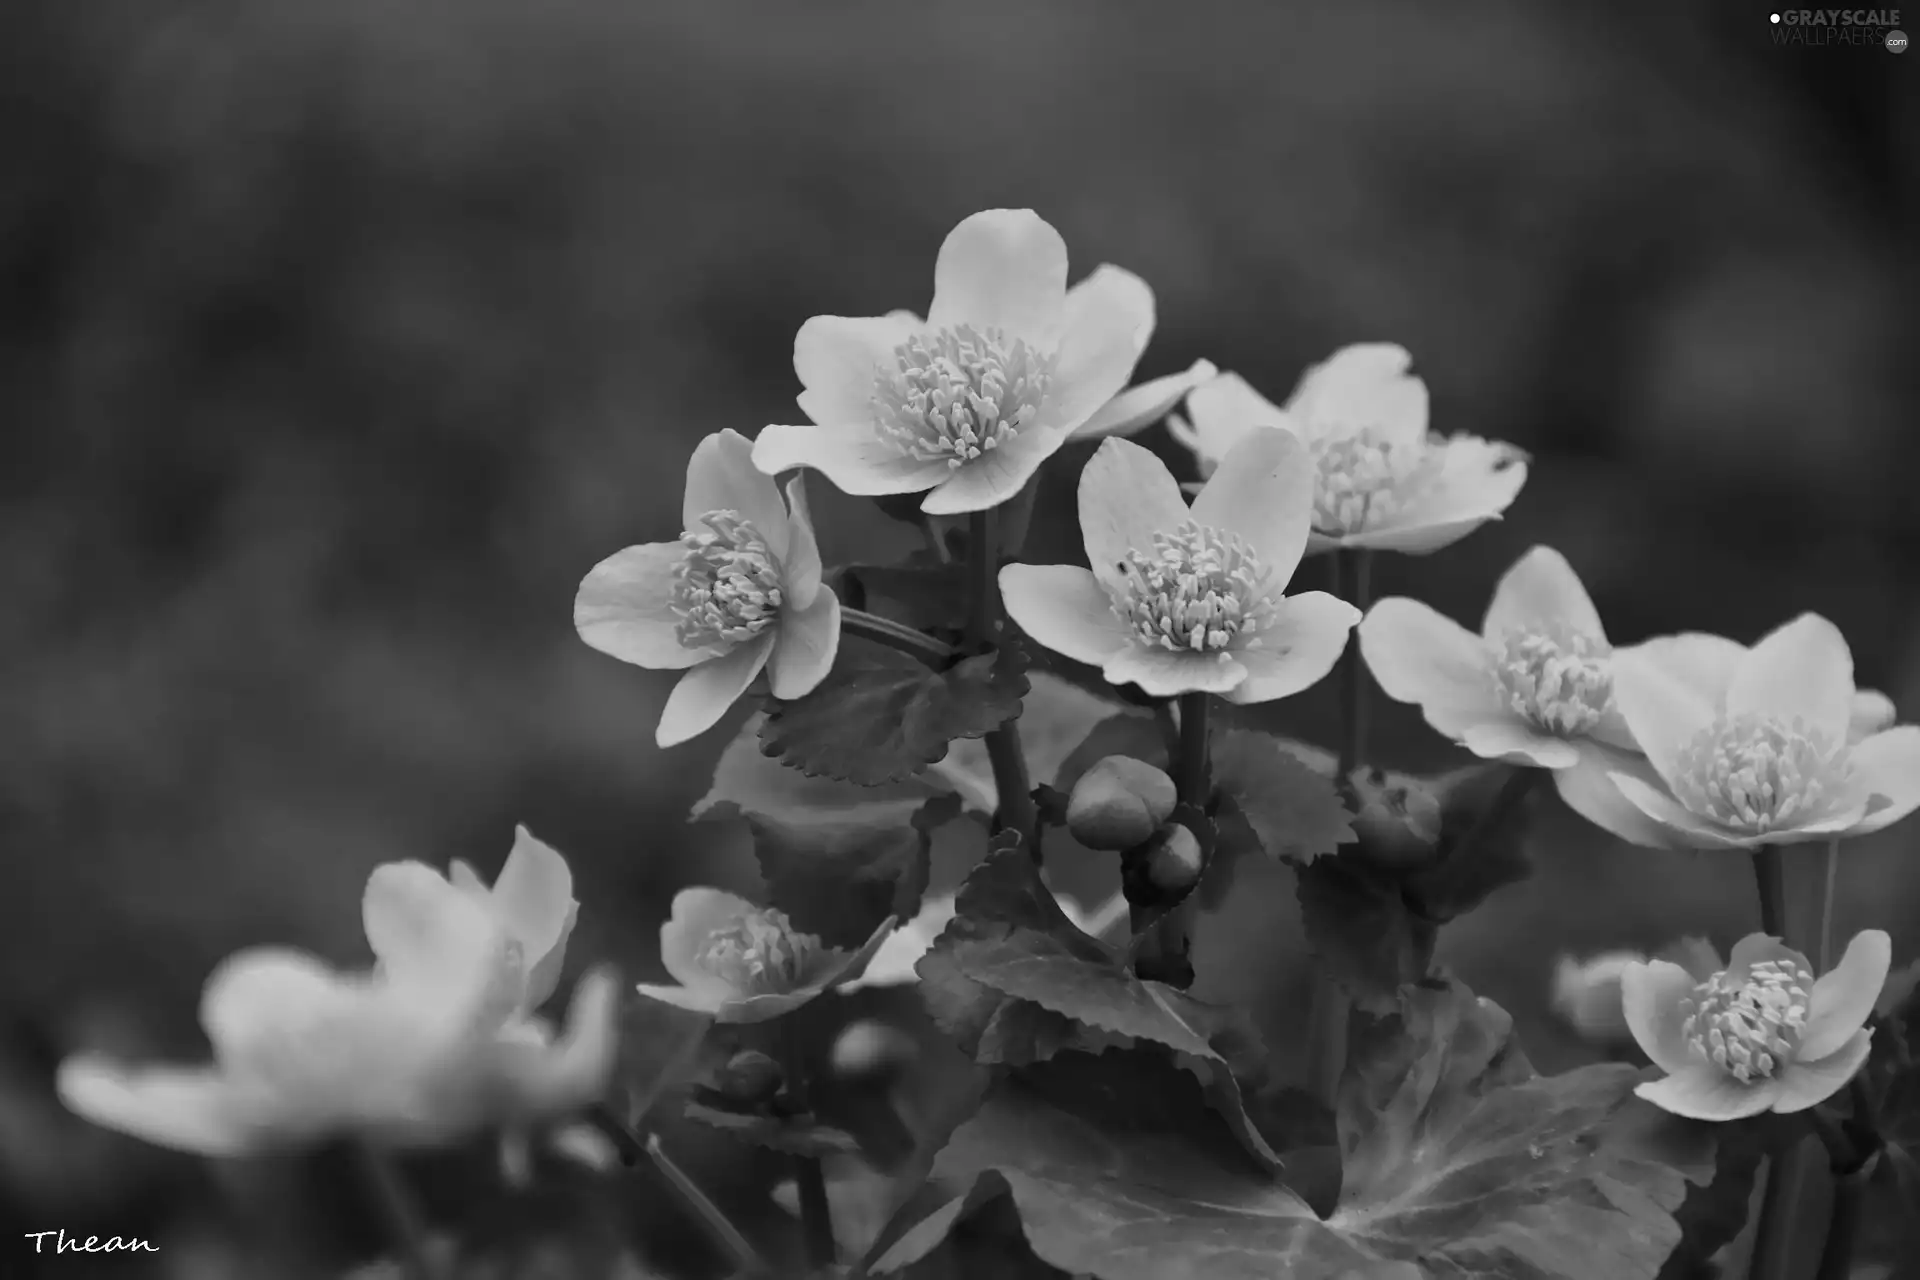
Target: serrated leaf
[[794, 1135], [1294, 812], [747, 780], [1457, 1160], [1358, 925], [1486, 812], [841, 883], [881, 716], [1056, 719]]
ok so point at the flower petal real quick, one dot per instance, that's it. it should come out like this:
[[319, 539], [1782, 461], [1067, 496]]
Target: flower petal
[[1063, 607], [624, 608], [1704, 1092], [996, 475], [1517, 742], [1653, 999], [1760, 948], [1263, 491], [808, 641], [1589, 791], [544, 976], [704, 694], [1697, 661], [1363, 385], [1409, 535], [1165, 673], [1419, 655], [1477, 481], [857, 459], [838, 359], [721, 477], [1144, 404], [1587, 994], [741, 1010], [707, 1000], [186, 1108], [1800, 671], [1109, 317], [1225, 411], [1842, 999], [1687, 827], [421, 927], [1126, 496], [546, 1079], [533, 897], [1662, 713], [800, 568], [893, 964], [1872, 712], [697, 913], [1307, 636], [1888, 764], [1808, 1083], [1541, 592], [1006, 269], [837, 967]]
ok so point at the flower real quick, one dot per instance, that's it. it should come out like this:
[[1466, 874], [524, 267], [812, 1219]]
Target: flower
[[427, 1047], [1186, 600], [1586, 993], [742, 963], [970, 401], [1382, 480], [894, 963], [1746, 747], [738, 592], [532, 903], [1761, 1034]]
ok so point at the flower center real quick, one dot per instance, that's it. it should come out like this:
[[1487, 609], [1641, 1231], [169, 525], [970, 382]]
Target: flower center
[[727, 587], [760, 952], [953, 395], [1199, 589], [1365, 478], [1758, 772], [1747, 1027], [1556, 677]]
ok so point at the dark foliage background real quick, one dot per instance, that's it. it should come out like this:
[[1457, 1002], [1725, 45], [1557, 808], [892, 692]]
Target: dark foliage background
[[337, 341]]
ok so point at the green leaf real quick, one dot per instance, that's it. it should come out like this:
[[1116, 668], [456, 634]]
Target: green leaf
[[749, 781], [1486, 815], [1294, 812], [1458, 1159], [881, 716], [794, 1135], [841, 883], [1358, 925]]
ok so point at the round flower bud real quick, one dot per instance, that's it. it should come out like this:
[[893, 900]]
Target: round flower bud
[[750, 1079], [1398, 823], [1173, 860], [1118, 803], [871, 1048]]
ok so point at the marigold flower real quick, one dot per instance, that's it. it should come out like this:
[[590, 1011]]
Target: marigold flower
[[424, 1049], [1382, 480], [740, 591], [1745, 747], [1008, 364], [742, 963], [532, 903], [1186, 600], [1586, 993], [1761, 1034]]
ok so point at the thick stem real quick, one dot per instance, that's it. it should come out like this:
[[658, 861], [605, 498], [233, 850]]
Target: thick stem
[[1011, 779], [1843, 1224], [871, 626], [1830, 874], [983, 557], [727, 1236], [1192, 775], [402, 1214], [1770, 873], [809, 1178], [624, 1141], [1351, 571]]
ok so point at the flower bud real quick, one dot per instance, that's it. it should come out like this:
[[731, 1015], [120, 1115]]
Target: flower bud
[[1398, 823], [1173, 860], [1118, 803], [871, 1048], [750, 1079]]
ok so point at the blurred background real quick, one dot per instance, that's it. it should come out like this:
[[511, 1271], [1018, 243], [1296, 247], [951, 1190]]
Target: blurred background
[[338, 341]]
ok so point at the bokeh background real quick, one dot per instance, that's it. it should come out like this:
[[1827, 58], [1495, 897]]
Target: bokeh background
[[338, 341]]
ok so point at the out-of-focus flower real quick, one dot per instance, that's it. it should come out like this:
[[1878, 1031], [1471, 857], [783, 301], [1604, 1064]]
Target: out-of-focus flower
[[1119, 803], [427, 1047], [1383, 480], [870, 1048], [532, 903], [1186, 600], [742, 963], [893, 964], [1008, 364], [739, 592], [1761, 1034], [1586, 993], [1755, 750]]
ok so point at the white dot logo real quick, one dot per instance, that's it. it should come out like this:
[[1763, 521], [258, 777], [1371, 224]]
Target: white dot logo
[[1774, 18]]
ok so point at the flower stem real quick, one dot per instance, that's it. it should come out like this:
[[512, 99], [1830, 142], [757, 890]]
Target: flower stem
[[1351, 571], [1843, 1224], [736, 1246], [1773, 1224], [1830, 875], [1770, 873], [809, 1178], [402, 1213], [1193, 777], [608, 1125], [1011, 778], [872, 626]]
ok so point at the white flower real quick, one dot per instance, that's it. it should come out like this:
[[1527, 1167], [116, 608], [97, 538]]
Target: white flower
[[1587, 992], [532, 902], [1382, 480], [1746, 747], [428, 1047], [1181, 600], [740, 591], [1008, 364]]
